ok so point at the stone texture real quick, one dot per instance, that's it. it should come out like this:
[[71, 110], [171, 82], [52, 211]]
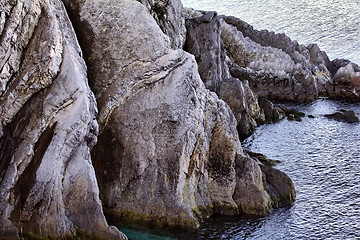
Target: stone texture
[[47, 182], [271, 72], [204, 41], [167, 147], [345, 84], [346, 116], [170, 17]]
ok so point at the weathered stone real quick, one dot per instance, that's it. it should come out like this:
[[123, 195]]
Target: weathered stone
[[170, 17], [262, 158], [271, 72], [167, 145], [345, 84], [338, 63], [48, 187], [204, 41], [346, 116], [279, 187], [250, 194]]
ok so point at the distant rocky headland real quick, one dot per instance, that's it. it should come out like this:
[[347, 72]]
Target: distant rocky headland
[[136, 108]]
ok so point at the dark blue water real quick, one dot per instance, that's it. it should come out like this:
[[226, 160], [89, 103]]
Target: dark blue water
[[322, 157], [333, 25]]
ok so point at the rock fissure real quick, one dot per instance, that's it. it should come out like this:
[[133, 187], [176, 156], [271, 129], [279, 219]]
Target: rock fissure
[[168, 149]]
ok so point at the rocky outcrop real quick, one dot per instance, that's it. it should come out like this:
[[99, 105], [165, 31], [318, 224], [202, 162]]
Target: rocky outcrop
[[345, 84], [47, 128], [205, 43], [170, 17], [345, 116], [167, 146]]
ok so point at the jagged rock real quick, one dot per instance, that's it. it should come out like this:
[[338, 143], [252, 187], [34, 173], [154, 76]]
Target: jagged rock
[[320, 58], [338, 63], [204, 41], [167, 147], [346, 116], [169, 15], [345, 84], [271, 72], [48, 187], [262, 158], [272, 113]]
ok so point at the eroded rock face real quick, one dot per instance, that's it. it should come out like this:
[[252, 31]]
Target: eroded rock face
[[167, 147], [345, 84], [204, 41], [47, 119], [170, 17], [271, 72]]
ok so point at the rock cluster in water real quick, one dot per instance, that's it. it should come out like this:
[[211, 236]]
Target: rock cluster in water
[[142, 104]]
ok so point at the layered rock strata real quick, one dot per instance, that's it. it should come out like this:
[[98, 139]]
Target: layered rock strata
[[48, 187], [168, 150]]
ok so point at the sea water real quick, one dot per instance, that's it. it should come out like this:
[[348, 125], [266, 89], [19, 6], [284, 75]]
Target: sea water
[[334, 25]]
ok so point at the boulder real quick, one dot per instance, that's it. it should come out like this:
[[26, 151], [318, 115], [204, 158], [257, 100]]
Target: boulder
[[345, 116], [345, 84], [48, 126], [272, 113]]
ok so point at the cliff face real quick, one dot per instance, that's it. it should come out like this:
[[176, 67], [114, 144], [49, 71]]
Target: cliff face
[[167, 146], [159, 127], [48, 126]]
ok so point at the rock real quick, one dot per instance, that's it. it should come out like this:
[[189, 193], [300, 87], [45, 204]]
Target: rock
[[271, 72], [293, 111], [291, 117], [279, 187], [346, 116], [48, 186], [170, 17], [168, 147], [338, 63], [345, 84], [265, 187], [250, 194], [318, 58], [262, 158], [272, 113], [311, 116], [204, 41]]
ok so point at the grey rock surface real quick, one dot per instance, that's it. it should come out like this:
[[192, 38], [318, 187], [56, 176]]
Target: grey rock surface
[[271, 72], [167, 147], [48, 187], [345, 84], [345, 116], [205, 43], [170, 17]]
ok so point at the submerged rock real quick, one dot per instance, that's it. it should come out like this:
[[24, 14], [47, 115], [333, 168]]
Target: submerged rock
[[346, 116]]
